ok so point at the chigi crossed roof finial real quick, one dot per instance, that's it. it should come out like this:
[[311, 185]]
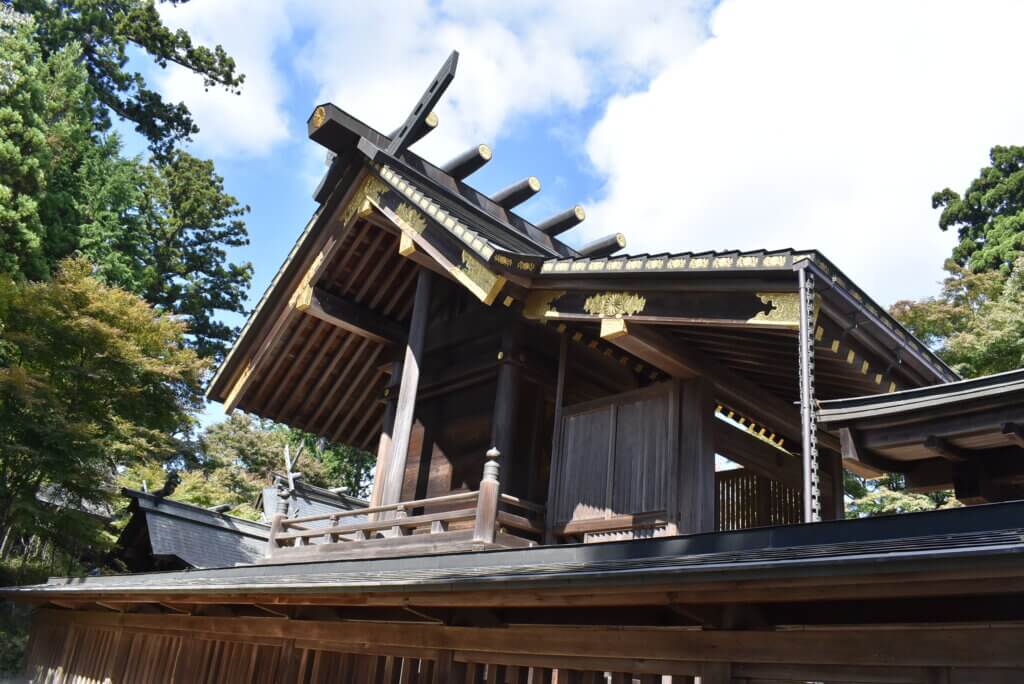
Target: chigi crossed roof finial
[[422, 120]]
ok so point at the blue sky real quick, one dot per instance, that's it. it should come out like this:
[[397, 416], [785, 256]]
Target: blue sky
[[736, 125]]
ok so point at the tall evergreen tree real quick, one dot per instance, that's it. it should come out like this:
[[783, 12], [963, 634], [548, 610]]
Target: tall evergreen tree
[[989, 216], [160, 229], [104, 31]]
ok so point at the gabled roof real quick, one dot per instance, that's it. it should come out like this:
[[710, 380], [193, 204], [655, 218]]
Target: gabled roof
[[196, 537], [387, 212]]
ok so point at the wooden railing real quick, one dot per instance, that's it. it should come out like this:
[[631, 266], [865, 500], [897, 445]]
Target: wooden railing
[[478, 518]]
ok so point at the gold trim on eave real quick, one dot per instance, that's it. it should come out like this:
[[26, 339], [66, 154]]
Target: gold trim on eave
[[538, 304], [784, 311], [481, 281]]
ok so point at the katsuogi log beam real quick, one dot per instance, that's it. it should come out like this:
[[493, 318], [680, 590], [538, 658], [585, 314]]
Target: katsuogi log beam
[[468, 163], [427, 125], [605, 246], [517, 193], [559, 223]]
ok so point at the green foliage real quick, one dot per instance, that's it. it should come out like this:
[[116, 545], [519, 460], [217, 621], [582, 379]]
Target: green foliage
[[90, 378], [158, 229], [105, 31], [989, 217], [888, 496], [975, 323], [335, 465], [994, 342]]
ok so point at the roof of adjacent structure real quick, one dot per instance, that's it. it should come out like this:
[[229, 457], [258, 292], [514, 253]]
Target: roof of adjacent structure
[[198, 536], [1005, 387], [935, 541]]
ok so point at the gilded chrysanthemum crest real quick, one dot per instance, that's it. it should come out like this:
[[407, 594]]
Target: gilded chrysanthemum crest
[[615, 304]]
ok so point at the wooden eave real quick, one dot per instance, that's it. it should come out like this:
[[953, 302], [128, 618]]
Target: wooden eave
[[905, 555]]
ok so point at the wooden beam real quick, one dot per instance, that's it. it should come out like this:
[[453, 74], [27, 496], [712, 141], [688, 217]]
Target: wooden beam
[[405, 410], [946, 645], [857, 459], [474, 275], [1014, 433], [945, 449], [411, 130], [682, 362], [350, 316]]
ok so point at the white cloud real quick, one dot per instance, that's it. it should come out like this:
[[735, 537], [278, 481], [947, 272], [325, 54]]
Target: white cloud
[[516, 58], [250, 123], [815, 125]]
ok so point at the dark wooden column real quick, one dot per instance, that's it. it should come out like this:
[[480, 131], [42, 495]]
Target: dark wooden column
[[405, 410], [506, 409], [387, 428], [695, 487]]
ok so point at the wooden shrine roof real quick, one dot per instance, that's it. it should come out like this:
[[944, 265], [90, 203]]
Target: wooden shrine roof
[[316, 351], [196, 536]]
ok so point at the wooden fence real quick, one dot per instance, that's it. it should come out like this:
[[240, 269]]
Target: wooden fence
[[745, 499]]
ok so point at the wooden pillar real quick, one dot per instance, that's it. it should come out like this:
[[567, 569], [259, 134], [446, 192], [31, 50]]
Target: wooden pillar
[[506, 405], [387, 428], [405, 410], [834, 462], [695, 490]]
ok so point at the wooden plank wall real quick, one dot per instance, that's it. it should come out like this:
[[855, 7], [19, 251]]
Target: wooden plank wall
[[609, 449], [745, 499], [77, 654], [80, 647]]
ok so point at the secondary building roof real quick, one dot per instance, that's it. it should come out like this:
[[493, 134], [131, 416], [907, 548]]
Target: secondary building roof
[[966, 431], [937, 541], [165, 534]]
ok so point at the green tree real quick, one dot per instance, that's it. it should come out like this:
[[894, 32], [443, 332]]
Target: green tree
[[105, 31], [989, 217], [993, 341], [91, 377], [159, 229]]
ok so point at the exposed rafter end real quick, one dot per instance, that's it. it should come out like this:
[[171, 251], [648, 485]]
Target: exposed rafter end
[[861, 462], [1015, 433], [944, 449], [406, 247], [605, 246], [468, 163], [613, 328]]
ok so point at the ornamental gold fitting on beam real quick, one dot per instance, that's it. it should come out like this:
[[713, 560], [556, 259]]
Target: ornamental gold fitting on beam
[[615, 304]]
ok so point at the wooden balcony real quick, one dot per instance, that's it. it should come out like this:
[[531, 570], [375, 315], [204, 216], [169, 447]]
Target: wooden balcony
[[461, 521]]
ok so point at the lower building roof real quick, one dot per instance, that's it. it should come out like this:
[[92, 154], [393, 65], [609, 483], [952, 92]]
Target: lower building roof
[[934, 541]]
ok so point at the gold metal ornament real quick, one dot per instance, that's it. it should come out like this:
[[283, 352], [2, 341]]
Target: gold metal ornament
[[615, 304]]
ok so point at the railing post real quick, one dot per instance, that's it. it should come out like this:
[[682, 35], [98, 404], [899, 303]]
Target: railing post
[[275, 529], [487, 500]]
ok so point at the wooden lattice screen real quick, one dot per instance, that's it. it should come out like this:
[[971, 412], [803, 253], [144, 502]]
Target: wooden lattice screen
[[745, 499]]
